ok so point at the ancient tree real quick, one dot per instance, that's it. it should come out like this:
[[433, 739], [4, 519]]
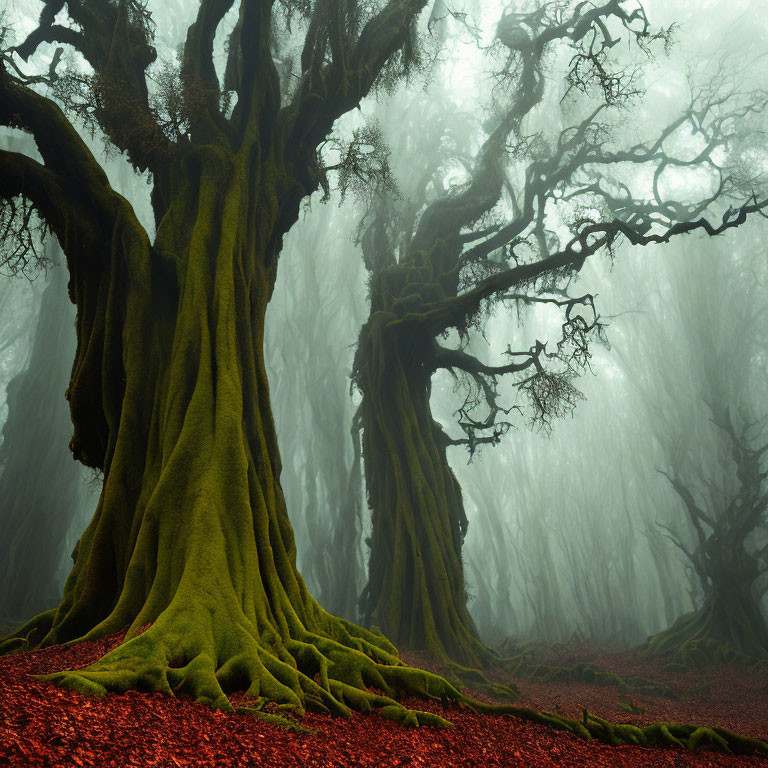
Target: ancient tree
[[729, 624], [168, 394], [715, 451], [516, 234], [190, 546]]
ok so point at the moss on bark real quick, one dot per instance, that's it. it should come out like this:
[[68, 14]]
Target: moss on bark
[[415, 590], [727, 629], [191, 533]]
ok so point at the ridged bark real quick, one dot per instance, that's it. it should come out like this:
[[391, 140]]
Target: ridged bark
[[415, 592], [191, 534]]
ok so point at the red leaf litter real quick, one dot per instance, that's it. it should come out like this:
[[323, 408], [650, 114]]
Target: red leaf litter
[[44, 725]]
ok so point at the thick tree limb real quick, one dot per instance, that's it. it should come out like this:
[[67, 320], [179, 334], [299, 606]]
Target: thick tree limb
[[116, 40], [62, 149], [330, 89], [70, 190], [24, 177], [251, 70], [458, 358], [198, 72]]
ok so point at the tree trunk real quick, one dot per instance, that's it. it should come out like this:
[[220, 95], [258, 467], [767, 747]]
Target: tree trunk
[[729, 627], [191, 534], [415, 592]]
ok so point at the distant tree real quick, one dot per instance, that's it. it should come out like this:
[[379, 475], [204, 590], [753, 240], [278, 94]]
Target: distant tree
[[309, 355], [711, 322], [452, 257], [729, 625], [168, 393], [40, 483]]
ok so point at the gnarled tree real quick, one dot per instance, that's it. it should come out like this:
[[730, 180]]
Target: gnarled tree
[[169, 395], [445, 263], [729, 625], [705, 317], [714, 453]]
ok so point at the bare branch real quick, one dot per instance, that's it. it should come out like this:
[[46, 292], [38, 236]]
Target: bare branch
[[671, 535], [591, 238], [695, 513]]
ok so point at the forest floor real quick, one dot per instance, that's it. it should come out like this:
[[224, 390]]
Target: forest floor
[[43, 725]]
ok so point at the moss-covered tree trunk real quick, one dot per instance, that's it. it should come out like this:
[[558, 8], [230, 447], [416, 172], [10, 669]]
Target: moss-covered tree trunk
[[169, 394], [729, 626], [415, 592], [191, 534]]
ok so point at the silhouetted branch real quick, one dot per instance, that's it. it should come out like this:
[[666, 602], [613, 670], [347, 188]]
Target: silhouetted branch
[[671, 535], [695, 513], [116, 39]]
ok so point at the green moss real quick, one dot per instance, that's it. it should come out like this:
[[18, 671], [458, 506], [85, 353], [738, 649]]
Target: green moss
[[279, 720], [522, 665], [191, 534], [723, 631], [415, 590]]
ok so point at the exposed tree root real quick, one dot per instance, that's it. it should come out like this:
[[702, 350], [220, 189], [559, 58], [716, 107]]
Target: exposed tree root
[[667, 734], [354, 671], [716, 634], [478, 680], [330, 672], [587, 673], [522, 663], [28, 636], [522, 667], [622, 734], [521, 660], [274, 719]]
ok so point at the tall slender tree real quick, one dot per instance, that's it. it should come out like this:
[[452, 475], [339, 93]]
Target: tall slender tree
[[40, 484]]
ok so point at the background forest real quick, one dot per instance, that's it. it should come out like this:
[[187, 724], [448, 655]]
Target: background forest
[[576, 524]]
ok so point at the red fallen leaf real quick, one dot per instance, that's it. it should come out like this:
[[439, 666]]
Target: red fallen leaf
[[157, 730]]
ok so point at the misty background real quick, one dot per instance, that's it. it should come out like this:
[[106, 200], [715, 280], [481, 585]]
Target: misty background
[[570, 530]]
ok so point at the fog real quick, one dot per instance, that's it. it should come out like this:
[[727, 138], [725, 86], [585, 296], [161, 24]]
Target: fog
[[574, 527]]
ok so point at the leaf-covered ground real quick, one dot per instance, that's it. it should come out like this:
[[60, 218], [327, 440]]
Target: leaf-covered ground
[[42, 725]]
